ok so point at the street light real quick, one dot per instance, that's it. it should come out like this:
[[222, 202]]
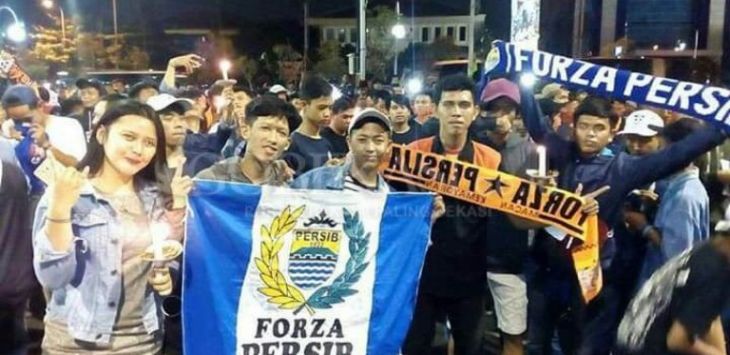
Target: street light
[[414, 86], [48, 4], [398, 31], [16, 31]]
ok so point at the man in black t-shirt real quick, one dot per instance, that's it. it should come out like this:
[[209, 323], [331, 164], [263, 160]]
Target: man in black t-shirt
[[336, 133], [308, 150], [678, 310], [405, 130]]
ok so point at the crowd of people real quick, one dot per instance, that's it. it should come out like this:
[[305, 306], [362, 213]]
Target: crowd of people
[[83, 182]]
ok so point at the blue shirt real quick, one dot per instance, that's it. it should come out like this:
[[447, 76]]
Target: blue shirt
[[683, 219], [30, 156], [85, 281]]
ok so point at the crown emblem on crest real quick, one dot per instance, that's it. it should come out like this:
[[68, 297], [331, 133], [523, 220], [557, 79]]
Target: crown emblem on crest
[[322, 219], [312, 260]]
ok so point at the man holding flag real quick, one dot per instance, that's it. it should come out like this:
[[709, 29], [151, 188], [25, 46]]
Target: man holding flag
[[302, 271]]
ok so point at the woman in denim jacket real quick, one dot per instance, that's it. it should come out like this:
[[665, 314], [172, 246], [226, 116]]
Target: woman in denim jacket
[[90, 230]]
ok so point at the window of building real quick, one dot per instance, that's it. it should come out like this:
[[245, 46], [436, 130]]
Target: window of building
[[437, 33], [450, 32], [342, 35], [462, 33], [425, 34], [329, 34], [353, 35]]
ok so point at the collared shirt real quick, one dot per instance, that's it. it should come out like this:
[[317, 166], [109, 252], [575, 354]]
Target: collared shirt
[[85, 281]]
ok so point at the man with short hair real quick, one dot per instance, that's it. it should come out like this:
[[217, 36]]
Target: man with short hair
[[265, 127], [422, 107], [118, 86], [642, 132], [143, 90], [90, 92], [171, 111], [40, 133], [369, 141], [683, 216], [678, 310], [507, 245], [454, 274], [405, 130], [336, 133], [308, 148]]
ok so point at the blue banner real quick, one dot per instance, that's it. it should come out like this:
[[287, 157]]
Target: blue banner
[[277, 271], [708, 103]]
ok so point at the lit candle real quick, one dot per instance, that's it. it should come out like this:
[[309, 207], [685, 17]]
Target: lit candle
[[542, 161], [225, 66], [160, 232]]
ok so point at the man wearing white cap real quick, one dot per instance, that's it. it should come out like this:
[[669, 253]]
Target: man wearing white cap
[[280, 91], [642, 130], [171, 111], [682, 218]]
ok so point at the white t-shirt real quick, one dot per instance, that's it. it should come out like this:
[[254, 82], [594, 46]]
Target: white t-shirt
[[67, 135]]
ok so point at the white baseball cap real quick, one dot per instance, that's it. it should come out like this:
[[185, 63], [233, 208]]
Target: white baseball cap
[[277, 89], [722, 226], [163, 101], [645, 123]]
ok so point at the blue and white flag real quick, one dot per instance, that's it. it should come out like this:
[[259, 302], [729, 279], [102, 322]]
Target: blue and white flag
[[709, 103], [271, 270]]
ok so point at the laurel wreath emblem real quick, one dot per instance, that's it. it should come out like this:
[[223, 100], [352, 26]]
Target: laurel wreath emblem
[[287, 296]]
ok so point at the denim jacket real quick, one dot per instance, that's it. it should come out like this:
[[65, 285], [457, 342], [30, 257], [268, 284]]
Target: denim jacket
[[85, 281], [330, 178]]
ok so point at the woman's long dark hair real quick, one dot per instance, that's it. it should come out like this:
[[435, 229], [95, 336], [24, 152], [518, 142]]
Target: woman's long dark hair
[[95, 155]]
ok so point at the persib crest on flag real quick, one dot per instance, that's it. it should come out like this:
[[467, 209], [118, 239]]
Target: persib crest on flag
[[314, 253], [277, 271]]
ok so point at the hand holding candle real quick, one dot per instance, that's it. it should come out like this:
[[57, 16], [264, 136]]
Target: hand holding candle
[[160, 232]]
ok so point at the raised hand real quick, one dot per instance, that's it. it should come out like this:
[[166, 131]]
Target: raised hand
[[66, 185], [180, 186], [189, 62]]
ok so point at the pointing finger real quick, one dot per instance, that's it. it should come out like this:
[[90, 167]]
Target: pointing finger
[[598, 192]]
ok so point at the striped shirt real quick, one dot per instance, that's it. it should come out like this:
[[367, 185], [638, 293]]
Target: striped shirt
[[352, 184]]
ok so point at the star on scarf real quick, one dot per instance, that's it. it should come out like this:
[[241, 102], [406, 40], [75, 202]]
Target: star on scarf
[[496, 184]]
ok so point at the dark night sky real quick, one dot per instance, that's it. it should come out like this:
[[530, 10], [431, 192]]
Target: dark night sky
[[210, 13], [261, 23]]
